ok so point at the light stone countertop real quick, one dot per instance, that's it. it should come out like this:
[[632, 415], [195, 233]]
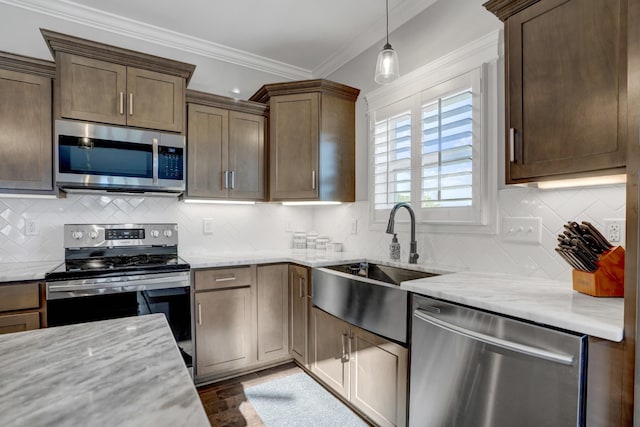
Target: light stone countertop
[[122, 372], [544, 301], [22, 271], [309, 258]]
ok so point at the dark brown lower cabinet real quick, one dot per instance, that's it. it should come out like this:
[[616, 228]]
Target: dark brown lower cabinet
[[22, 306], [299, 299], [365, 369], [241, 319]]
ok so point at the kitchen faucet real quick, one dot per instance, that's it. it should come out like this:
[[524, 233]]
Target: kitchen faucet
[[413, 250]]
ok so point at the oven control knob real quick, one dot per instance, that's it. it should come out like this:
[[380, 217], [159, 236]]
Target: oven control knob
[[93, 235], [167, 233], [77, 235], [155, 233]]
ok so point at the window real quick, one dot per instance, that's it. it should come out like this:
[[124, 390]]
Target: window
[[428, 151]]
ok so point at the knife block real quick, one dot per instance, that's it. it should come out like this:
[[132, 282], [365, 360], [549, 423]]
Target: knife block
[[607, 280]]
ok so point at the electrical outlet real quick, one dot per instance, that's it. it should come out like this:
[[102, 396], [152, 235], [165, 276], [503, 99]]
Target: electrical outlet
[[207, 225], [289, 227], [354, 226], [614, 230], [31, 227]]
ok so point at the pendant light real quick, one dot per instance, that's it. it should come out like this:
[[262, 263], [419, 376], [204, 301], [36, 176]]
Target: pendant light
[[387, 66]]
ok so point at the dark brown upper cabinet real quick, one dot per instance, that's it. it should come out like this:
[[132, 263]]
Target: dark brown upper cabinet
[[225, 148], [311, 140], [565, 87], [101, 83], [25, 124]]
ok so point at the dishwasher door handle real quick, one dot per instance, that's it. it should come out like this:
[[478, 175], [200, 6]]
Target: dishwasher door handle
[[498, 342]]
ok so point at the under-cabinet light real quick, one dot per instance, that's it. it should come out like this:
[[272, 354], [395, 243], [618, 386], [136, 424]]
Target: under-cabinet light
[[583, 182], [27, 196], [310, 203], [220, 202]]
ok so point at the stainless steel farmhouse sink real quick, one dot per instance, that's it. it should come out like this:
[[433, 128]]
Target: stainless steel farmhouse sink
[[383, 273], [366, 295]]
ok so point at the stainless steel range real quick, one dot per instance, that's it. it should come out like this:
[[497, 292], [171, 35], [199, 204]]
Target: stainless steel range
[[119, 270]]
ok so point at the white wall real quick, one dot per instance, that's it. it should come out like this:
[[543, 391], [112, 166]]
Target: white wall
[[441, 28]]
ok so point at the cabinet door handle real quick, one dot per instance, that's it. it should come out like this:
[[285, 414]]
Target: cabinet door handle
[[512, 145], [131, 103], [121, 103], [199, 314], [225, 279], [345, 352], [313, 180], [233, 179], [226, 180], [301, 287]]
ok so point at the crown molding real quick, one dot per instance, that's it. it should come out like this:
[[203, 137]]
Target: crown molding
[[503, 9], [123, 26], [25, 64], [58, 42], [319, 85], [218, 101], [398, 16]]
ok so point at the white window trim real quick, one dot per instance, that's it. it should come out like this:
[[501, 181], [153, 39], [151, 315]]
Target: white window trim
[[483, 56]]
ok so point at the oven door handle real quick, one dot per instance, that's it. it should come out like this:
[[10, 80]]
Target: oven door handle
[[81, 288]]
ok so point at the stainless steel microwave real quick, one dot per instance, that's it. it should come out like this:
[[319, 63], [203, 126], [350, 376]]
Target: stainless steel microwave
[[114, 159]]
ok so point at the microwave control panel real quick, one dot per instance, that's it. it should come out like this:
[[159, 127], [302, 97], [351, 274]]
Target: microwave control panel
[[170, 163]]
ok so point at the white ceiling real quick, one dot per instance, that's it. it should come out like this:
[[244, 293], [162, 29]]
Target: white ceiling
[[292, 38]]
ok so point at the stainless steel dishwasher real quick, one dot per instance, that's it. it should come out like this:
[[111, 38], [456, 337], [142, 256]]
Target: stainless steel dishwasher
[[473, 368]]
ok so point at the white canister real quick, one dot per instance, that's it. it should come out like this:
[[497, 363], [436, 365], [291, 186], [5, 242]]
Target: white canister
[[322, 242], [336, 246], [312, 237], [299, 240]]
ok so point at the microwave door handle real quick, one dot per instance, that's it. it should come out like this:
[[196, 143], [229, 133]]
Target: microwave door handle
[[155, 160]]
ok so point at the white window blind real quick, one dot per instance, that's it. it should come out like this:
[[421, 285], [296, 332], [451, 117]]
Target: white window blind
[[392, 160], [447, 151]]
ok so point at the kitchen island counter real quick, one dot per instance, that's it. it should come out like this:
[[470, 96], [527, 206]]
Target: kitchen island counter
[[124, 372], [549, 302]]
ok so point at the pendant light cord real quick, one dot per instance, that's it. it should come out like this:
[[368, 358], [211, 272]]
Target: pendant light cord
[[387, 3]]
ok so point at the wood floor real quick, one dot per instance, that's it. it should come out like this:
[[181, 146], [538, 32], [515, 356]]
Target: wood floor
[[226, 404]]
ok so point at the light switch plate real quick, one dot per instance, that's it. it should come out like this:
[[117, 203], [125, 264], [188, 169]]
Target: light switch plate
[[522, 230]]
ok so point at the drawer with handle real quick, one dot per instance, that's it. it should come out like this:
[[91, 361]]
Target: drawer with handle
[[20, 296], [223, 278]]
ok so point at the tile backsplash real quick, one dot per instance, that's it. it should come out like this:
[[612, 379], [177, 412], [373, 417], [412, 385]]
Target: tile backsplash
[[485, 252], [236, 228], [239, 228]]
